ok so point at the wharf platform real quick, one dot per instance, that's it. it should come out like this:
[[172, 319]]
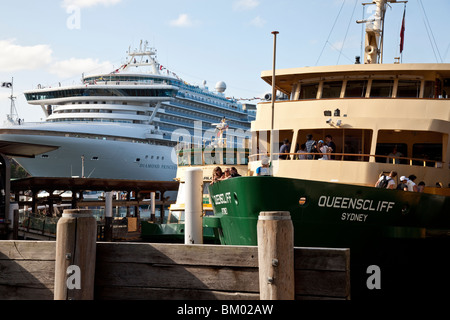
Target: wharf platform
[[39, 214], [31, 187]]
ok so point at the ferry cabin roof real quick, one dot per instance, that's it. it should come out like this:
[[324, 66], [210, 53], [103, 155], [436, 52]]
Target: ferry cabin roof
[[287, 79], [369, 110]]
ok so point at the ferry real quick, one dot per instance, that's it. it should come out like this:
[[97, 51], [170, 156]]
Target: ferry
[[382, 118], [123, 124]]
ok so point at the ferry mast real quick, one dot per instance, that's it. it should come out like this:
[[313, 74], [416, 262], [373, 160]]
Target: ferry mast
[[373, 48]]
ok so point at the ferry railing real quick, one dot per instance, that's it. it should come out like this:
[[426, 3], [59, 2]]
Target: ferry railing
[[353, 157], [219, 156]]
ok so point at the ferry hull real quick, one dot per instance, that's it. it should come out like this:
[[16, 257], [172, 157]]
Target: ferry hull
[[401, 232]]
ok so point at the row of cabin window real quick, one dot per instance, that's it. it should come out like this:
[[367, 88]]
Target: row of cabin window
[[359, 89]]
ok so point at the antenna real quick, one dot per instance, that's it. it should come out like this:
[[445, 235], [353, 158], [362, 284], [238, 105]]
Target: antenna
[[12, 116]]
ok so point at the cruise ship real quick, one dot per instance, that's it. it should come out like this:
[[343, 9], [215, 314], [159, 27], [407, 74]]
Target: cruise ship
[[125, 124]]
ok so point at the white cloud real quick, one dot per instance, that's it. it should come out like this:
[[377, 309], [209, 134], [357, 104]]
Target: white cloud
[[73, 67], [241, 5], [258, 22], [88, 3], [183, 20], [14, 57]]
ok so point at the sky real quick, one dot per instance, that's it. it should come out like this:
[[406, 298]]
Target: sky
[[50, 42]]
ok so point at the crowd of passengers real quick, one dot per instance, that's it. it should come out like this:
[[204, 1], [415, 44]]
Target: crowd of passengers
[[219, 175], [311, 149], [406, 183]]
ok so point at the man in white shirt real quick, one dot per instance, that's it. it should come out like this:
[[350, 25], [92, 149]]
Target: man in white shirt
[[411, 184]]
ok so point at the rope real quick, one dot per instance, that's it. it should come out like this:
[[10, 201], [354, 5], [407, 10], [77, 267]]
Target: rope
[[427, 26], [332, 28], [346, 32]]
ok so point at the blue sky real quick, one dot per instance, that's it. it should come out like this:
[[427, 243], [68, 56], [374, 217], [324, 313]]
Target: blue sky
[[47, 42]]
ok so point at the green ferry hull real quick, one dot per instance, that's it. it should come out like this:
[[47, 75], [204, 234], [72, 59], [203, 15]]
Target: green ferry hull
[[393, 229], [174, 232]]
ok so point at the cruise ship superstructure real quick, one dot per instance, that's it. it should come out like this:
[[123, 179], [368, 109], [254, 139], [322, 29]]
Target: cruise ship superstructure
[[121, 124]]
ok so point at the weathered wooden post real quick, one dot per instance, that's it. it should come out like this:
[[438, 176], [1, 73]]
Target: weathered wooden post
[[276, 255], [193, 228], [75, 255], [13, 217]]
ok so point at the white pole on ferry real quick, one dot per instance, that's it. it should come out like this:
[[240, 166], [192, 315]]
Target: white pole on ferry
[[108, 216], [274, 92], [193, 228], [82, 166]]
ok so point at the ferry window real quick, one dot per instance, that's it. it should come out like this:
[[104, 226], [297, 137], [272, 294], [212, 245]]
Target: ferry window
[[308, 91], [356, 144], [356, 89], [408, 89], [427, 151], [446, 89], [385, 149], [428, 91], [381, 88], [331, 89]]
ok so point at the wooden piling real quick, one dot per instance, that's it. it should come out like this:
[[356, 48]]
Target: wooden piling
[[276, 256], [15, 225], [75, 255]]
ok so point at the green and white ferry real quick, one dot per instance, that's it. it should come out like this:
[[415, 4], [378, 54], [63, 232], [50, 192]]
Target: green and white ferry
[[368, 109]]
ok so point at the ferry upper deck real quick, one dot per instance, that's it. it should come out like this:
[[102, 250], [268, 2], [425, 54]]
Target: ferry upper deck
[[368, 109]]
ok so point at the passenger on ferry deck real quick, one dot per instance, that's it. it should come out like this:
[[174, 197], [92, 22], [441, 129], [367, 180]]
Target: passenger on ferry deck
[[403, 186], [389, 178], [394, 154], [301, 151], [323, 148], [285, 148], [217, 175], [411, 184], [264, 169], [330, 144], [226, 174], [310, 146], [391, 183], [421, 186], [234, 172]]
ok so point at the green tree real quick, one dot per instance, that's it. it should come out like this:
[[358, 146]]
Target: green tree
[[17, 171]]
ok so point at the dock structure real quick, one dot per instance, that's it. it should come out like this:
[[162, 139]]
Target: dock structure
[[130, 194], [13, 149], [31, 187], [140, 188], [152, 271]]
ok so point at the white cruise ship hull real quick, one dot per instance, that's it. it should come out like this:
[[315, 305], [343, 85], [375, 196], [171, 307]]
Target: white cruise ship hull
[[107, 159]]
